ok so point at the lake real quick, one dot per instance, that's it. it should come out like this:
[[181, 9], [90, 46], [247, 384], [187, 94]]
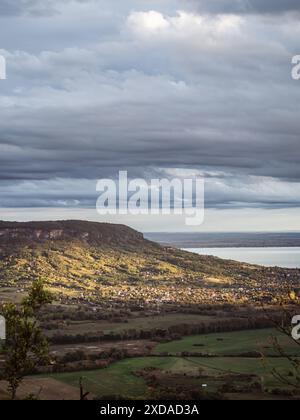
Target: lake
[[270, 257]]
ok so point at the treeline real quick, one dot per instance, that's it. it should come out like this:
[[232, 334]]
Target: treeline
[[80, 360], [168, 334], [82, 313]]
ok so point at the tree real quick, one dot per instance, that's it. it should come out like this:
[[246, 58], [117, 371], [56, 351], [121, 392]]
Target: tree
[[26, 346], [292, 378], [282, 323], [83, 395]]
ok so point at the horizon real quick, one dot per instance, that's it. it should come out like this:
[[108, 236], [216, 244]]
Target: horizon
[[215, 220], [156, 232]]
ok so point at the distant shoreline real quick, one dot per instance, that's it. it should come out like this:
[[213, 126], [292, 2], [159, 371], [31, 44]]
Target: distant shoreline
[[226, 240], [284, 257]]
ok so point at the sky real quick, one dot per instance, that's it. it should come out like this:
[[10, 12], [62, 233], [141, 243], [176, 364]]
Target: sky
[[157, 88]]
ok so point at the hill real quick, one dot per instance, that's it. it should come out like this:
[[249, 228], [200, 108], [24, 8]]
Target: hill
[[89, 232], [94, 263]]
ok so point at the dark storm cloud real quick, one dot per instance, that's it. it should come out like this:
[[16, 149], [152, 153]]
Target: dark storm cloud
[[150, 90], [247, 6]]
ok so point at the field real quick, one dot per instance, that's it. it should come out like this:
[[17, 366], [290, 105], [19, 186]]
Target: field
[[230, 343], [139, 324], [121, 378]]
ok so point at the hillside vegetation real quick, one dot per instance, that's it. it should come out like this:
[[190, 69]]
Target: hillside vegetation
[[93, 263]]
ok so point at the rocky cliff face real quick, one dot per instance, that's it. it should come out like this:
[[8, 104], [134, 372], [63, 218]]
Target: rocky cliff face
[[90, 232]]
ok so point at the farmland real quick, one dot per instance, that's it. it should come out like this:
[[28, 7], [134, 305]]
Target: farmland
[[139, 324], [132, 378], [231, 343], [119, 379]]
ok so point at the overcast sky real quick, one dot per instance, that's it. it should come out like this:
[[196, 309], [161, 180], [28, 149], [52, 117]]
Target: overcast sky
[[156, 88]]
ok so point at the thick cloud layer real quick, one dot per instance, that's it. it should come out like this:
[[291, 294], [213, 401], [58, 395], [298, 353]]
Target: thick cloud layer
[[247, 6], [26, 7], [95, 87], [42, 7]]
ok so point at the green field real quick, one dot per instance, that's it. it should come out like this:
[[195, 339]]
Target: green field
[[245, 366], [118, 379], [230, 343]]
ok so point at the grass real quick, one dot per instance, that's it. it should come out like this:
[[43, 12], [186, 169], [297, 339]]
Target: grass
[[119, 378], [142, 323], [245, 366], [230, 343]]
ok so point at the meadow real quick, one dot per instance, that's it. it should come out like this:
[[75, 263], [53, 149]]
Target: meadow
[[232, 343], [119, 379], [123, 379]]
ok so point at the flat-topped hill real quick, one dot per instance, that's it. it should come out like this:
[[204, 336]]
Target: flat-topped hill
[[90, 232]]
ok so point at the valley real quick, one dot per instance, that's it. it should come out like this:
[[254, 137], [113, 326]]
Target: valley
[[138, 320]]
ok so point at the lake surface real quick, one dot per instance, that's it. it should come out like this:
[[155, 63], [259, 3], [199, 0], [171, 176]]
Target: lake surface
[[270, 257]]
